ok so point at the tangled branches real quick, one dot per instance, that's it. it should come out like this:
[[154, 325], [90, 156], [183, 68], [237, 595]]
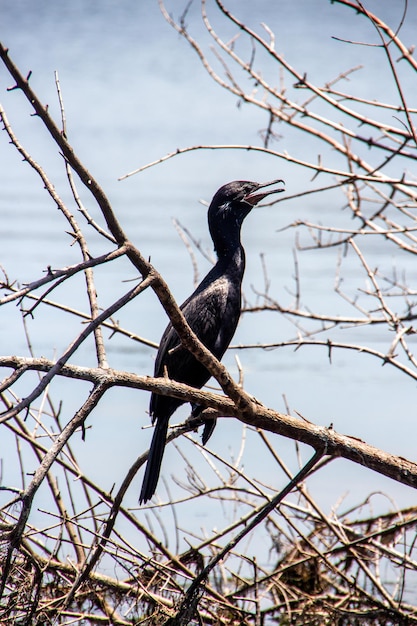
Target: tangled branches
[[75, 550]]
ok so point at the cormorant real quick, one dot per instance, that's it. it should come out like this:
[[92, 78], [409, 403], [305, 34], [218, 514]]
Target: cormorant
[[212, 311]]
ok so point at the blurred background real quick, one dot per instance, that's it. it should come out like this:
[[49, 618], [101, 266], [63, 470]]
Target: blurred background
[[134, 91]]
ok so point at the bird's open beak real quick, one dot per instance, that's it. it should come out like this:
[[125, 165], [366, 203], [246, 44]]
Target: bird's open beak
[[254, 198]]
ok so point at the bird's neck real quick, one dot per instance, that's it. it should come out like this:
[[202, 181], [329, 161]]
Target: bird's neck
[[227, 240], [232, 259]]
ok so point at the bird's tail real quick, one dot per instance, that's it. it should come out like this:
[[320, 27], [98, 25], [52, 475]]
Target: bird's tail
[[153, 466]]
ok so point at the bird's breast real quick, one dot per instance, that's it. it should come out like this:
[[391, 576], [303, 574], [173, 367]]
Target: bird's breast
[[221, 312], [221, 294]]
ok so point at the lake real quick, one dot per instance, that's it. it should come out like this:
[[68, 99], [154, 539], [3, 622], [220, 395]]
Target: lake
[[133, 92]]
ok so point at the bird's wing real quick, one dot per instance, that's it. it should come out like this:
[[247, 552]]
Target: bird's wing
[[212, 314]]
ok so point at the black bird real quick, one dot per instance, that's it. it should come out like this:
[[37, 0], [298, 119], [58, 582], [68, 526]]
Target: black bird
[[212, 311]]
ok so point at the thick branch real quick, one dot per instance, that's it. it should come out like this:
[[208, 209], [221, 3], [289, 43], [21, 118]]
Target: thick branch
[[301, 430], [188, 338]]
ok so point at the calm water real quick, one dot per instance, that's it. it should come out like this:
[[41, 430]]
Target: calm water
[[133, 92]]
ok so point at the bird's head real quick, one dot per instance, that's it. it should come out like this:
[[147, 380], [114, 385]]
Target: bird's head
[[233, 202]]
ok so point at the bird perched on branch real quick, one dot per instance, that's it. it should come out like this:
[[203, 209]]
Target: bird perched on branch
[[212, 312]]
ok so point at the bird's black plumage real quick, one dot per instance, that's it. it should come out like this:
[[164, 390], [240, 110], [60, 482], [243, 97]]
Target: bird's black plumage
[[212, 312]]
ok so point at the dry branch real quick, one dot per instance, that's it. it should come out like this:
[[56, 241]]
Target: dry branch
[[318, 437], [318, 568]]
